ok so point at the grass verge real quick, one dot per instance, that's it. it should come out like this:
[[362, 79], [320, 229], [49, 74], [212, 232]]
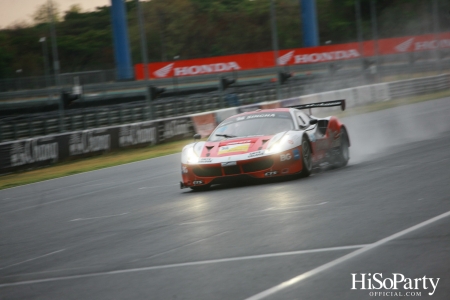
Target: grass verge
[[131, 155], [109, 159]]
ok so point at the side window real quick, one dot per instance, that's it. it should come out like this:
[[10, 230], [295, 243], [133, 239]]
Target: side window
[[302, 119]]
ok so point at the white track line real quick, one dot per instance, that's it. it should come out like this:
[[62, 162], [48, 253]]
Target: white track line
[[243, 218], [342, 259], [195, 263], [293, 206], [82, 219], [31, 259]]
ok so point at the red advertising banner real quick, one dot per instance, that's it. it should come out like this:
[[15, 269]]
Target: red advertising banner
[[249, 61]]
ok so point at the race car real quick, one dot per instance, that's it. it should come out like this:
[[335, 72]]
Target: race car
[[266, 143]]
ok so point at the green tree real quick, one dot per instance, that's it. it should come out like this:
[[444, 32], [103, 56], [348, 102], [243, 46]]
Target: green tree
[[46, 11]]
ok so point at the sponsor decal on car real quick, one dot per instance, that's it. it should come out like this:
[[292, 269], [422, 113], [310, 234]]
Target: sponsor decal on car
[[205, 160], [197, 182], [229, 163], [286, 156], [256, 154], [296, 153], [240, 142], [261, 116], [184, 169], [233, 148], [272, 173]]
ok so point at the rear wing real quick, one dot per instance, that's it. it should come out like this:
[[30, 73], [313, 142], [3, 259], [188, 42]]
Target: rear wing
[[340, 103]]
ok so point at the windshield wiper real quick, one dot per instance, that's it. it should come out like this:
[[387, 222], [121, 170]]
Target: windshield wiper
[[226, 135]]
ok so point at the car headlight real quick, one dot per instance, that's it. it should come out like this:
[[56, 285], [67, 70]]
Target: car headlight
[[192, 158], [278, 146]]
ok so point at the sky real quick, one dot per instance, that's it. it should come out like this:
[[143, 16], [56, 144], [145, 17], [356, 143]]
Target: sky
[[14, 11]]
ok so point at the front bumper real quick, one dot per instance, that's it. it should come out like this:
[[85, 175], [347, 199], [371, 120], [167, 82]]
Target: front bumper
[[284, 163]]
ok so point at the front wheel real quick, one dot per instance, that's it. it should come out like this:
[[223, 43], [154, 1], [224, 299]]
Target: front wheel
[[306, 158]]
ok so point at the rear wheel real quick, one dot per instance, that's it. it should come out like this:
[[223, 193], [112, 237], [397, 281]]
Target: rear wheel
[[306, 158], [343, 154]]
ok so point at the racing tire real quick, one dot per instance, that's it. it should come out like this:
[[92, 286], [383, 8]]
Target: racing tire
[[200, 188], [306, 158], [343, 153]]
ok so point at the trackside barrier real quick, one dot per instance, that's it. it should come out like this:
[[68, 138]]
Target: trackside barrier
[[46, 150], [222, 114], [42, 151]]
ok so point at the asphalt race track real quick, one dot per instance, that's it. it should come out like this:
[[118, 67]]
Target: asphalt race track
[[129, 232]]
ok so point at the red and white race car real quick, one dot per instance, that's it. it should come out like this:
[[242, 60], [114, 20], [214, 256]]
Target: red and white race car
[[266, 143]]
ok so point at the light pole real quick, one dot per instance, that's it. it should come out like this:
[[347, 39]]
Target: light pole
[[144, 60], [359, 33], [436, 29], [373, 12], [54, 46], [175, 77], [51, 19], [273, 20], [43, 41]]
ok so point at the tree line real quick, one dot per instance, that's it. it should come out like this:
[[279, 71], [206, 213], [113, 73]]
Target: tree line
[[200, 28]]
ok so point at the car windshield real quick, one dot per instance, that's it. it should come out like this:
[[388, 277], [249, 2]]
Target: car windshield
[[253, 125]]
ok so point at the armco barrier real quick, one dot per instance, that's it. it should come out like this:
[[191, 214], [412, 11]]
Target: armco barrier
[[46, 150], [42, 151]]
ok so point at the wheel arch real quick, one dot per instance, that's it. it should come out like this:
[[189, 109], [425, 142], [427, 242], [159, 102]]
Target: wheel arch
[[305, 135], [344, 128]]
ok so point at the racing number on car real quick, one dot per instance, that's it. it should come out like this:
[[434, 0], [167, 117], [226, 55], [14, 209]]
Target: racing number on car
[[284, 157]]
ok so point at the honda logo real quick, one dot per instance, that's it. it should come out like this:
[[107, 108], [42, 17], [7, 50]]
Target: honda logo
[[326, 56], [403, 47], [284, 59], [207, 69], [163, 72]]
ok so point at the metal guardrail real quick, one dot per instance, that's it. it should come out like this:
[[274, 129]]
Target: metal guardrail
[[16, 127]]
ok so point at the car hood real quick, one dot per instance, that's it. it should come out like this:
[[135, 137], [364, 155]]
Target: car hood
[[235, 146], [239, 148]]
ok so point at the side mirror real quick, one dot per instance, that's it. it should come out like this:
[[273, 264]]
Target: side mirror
[[313, 121], [197, 136]]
